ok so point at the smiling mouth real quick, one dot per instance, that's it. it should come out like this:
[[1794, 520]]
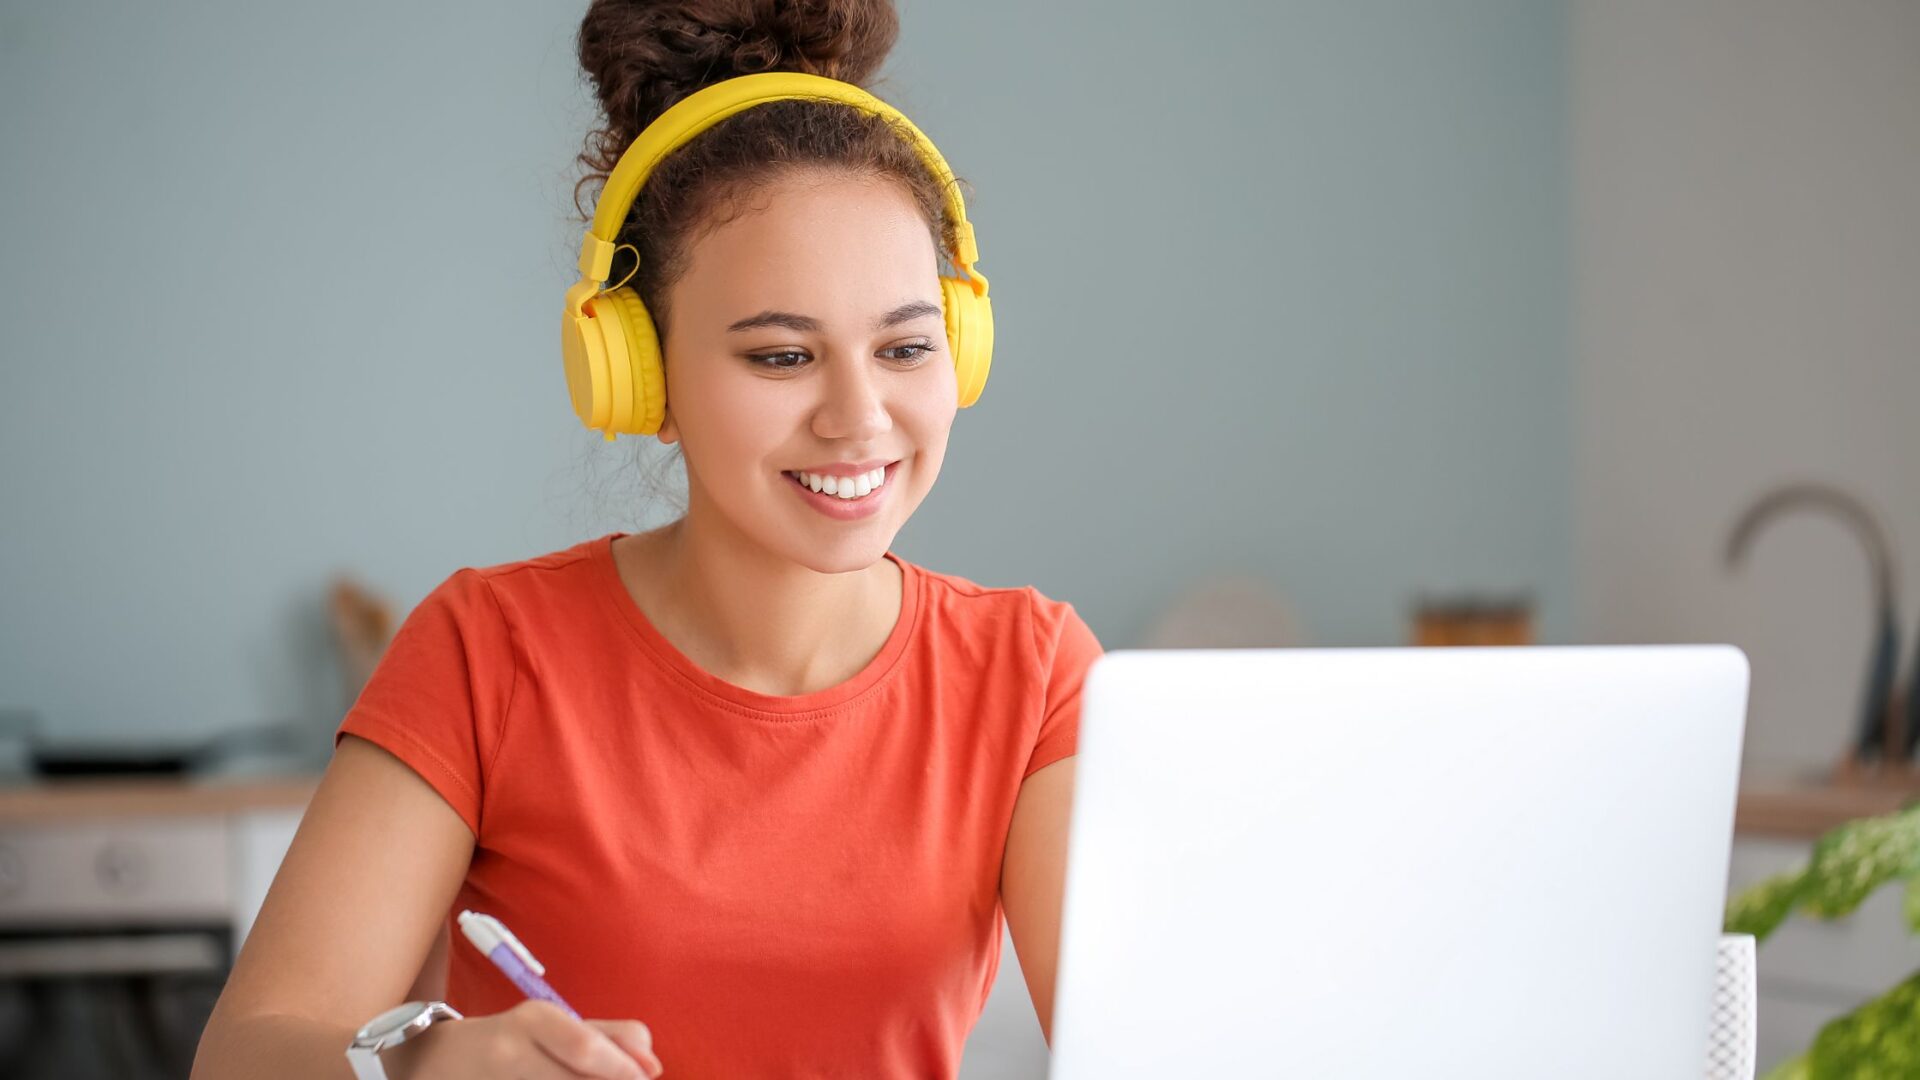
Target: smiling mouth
[[846, 488]]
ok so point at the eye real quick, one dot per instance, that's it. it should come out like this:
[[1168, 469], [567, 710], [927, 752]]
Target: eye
[[915, 354], [905, 355], [780, 361]]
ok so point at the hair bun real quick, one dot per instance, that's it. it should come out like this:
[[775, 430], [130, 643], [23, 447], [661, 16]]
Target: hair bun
[[645, 55]]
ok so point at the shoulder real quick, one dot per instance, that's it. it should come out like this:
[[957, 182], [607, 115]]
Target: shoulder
[[547, 570], [509, 592], [957, 604]]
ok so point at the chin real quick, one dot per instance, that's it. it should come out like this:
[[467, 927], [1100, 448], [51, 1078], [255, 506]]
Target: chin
[[845, 557], [828, 548]]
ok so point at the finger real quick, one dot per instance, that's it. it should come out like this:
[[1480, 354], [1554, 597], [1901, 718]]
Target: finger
[[579, 1046], [533, 1063], [636, 1039]]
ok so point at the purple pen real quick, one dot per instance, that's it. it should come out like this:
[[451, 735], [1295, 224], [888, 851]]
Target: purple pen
[[498, 944]]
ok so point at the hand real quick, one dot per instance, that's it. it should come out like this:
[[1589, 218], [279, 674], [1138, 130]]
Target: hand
[[534, 1040]]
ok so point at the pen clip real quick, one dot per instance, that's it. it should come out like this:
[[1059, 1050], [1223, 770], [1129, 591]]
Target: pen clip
[[494, 927]]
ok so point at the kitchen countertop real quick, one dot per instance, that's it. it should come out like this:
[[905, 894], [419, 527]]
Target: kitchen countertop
[[1780, 809], [1785, 810], [65, 800]]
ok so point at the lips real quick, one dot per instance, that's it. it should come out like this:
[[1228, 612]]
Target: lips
[[847, 468], [846, 509]]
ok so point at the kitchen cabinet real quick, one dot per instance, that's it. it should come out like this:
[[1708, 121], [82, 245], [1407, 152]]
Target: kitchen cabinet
[[122, 904]]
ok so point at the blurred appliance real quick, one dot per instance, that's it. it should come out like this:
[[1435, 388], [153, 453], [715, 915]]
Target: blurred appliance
[[1473, 620], [1225, 612], [115, 938], [363, 622]]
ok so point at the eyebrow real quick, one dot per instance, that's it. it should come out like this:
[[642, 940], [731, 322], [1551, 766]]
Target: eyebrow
[[906, 312]]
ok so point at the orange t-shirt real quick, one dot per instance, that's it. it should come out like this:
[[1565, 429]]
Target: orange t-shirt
[[801, 886]]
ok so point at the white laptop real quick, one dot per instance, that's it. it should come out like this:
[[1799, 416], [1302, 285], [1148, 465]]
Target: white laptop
[[1377, 864]]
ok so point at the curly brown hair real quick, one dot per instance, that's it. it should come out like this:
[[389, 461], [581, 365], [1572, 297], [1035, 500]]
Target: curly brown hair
[[645, 55]]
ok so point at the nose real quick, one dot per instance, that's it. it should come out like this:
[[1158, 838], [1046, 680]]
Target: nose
[[853, 406]]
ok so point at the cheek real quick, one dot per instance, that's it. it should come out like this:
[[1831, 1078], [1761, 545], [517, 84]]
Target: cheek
[[758, 413], [928, 414], [730, 416]]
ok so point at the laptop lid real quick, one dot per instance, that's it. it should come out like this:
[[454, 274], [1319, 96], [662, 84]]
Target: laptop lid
[[1503, 863]]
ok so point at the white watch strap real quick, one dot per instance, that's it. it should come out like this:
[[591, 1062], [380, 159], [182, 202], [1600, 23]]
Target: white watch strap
[[363, 1053], [366, 1063]]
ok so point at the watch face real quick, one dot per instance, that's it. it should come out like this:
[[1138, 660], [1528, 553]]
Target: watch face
[[391, 1021]]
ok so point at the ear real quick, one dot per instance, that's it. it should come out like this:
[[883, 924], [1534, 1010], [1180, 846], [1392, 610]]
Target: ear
[[669, 432]]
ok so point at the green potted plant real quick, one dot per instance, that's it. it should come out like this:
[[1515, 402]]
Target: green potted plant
[[1881, 1039]]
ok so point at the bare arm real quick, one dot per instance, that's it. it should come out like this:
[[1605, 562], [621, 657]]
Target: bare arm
[[1033, 880], [347, 926]]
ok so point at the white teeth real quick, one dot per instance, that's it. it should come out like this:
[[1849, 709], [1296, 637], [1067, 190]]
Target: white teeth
[[844, 487]]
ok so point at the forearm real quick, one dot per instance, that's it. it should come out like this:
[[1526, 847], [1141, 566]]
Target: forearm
[[281, 1046]]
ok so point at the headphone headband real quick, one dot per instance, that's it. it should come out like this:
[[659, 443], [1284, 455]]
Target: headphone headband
[[615, 367], [708, 106]]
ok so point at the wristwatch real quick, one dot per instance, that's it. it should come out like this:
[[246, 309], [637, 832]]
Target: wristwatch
[[391, 1028]]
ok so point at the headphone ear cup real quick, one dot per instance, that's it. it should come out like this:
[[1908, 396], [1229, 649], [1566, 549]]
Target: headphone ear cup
[[641, 403], [969, 335], [583, 350]]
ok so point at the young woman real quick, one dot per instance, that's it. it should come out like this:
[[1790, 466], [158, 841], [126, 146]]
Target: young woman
[[753, 788]]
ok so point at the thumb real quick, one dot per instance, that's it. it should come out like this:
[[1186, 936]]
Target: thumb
[[635, 1039]]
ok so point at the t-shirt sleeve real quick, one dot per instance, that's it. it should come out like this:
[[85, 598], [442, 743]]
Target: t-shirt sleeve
[[438, 698], [1066, 648]]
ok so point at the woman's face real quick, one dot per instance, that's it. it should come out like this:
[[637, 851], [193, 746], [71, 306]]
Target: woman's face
[[806, 342]]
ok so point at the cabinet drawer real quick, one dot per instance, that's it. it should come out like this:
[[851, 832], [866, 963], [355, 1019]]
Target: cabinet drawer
[[123, 872]]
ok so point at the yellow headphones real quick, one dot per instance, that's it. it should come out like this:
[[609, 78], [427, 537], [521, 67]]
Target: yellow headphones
[[615, 372]]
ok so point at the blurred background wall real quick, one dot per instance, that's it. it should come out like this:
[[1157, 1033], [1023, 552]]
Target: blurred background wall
[[1747, 259], [1281, 290]]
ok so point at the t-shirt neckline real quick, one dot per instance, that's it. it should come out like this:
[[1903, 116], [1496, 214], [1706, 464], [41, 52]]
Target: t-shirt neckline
[[783, 706]]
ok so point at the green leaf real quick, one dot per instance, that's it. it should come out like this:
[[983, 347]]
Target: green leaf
[[1762, 907], [1791, 1069], [1881, 1039], [1854, 859], [1878, 1041]]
